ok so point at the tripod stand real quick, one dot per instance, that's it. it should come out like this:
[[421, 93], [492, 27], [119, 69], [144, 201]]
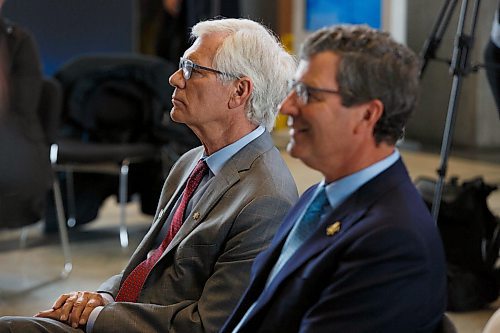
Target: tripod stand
[[459, 68]]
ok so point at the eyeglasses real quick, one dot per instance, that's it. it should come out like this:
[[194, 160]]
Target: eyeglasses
[[303, 91], [187, 67]]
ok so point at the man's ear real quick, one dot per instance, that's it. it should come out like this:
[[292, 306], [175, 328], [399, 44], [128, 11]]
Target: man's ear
[[371, 112], [242, 90]]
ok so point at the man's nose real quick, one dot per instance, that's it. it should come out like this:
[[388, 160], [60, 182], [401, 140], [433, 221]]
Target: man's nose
[[288, 106], [176, 79]]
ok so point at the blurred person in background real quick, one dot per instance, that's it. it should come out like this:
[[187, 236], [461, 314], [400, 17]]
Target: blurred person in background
[[179, 16], [25, 166], [165, 25]]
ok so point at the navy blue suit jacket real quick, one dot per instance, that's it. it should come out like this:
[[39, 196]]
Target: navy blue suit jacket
[[383, 271]]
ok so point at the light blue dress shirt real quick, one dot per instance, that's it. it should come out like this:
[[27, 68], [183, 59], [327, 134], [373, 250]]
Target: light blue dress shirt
[[217, 160]]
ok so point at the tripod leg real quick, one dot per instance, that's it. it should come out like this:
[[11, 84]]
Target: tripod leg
[[432, 43], [459, 68], [446, 144]]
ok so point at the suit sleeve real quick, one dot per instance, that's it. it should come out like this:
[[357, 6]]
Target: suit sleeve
[[386, 268], [251, 232]]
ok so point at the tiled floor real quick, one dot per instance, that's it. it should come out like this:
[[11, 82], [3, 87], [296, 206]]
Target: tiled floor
[[97, 253]]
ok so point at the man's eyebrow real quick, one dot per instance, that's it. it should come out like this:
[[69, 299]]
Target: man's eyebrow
[[193, 59]]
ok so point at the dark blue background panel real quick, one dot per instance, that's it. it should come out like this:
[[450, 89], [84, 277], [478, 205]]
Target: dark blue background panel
[[67, 28]]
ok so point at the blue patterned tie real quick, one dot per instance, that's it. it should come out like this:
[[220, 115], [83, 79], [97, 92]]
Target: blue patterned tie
[[301, 231]]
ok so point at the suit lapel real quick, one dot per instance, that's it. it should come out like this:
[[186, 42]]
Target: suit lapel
[[228, 176], [164, 207], [266, 260], [217, 187], [347, 215]]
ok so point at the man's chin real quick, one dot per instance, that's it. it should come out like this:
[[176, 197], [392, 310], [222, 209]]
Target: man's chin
[[292, 150], [176, 116]]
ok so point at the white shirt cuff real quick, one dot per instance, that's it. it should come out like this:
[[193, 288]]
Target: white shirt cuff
[[93, 315], [92, 318]]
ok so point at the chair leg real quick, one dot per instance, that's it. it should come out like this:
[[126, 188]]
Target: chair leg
[[70, 194], [63, 230], [123, 203], [23, 238]]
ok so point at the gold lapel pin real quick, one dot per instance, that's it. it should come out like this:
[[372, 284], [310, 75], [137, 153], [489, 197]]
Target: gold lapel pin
[[196, 216], [333, 229]]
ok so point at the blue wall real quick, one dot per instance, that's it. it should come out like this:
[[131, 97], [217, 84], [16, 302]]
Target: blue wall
[[66, 28], [322, 13]]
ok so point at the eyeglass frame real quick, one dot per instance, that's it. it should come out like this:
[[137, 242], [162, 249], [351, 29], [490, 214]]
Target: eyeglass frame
[[304, 93], [186, 73]]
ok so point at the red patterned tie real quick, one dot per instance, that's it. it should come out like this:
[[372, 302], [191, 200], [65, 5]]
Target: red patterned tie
[[132, 286]]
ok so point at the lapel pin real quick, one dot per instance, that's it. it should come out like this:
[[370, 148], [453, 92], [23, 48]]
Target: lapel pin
[[196, 216], [333, 229]]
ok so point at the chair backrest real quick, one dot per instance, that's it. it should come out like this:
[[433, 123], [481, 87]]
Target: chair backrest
[[118, 98], [49, 108]]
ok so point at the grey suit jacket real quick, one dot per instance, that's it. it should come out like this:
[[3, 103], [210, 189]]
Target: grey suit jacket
[[199, 279]]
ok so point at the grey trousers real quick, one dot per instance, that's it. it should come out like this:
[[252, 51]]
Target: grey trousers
[[34, 325]]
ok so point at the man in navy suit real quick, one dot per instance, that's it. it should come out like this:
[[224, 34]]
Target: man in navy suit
[[359, 252]]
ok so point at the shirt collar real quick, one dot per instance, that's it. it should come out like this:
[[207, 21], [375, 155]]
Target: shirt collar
[[217, 160], [339, 190]]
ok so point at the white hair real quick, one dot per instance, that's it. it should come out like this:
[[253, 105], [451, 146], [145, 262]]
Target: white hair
[[251, 50]]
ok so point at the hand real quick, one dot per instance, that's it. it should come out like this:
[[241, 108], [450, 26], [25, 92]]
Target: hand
[[52, 314], [74, 308]]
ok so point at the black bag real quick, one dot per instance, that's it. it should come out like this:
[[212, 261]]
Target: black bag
[[470, 234]]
